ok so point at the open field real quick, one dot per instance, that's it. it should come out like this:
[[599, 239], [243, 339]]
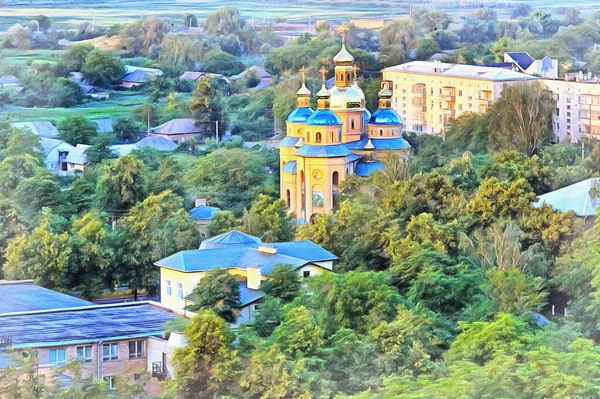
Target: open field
[[66, 14]]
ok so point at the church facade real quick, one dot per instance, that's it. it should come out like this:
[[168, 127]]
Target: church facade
[[340, 138]]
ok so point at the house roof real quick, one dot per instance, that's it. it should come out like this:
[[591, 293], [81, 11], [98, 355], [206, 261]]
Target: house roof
[[264, 82], [49, 144], [105, 125], [41, 128], [84, 324], [247, 295], [8, 80], [236, 250], [190, 75], [134, 68], [260, 72], [24, 296], [177, 126], [157, 142], [288, 142], [203, 212], [583, 198], [460, 71], [389, 144], [77, 155], [522, 58], [138, 77]]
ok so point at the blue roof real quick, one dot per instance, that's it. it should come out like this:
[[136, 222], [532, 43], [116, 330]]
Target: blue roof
[[323, 151], [323, 117], [203, 212], [84, 324], [367, 115], [396, 143], [385, 117], [230, 238], [290, 168], [299, 115], [579, 198], [23, 296], [522, 58], [248, 295], [289, 142], [365, 169], [353, 157]]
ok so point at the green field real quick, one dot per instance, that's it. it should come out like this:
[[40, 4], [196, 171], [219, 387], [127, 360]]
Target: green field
[[66, 14]]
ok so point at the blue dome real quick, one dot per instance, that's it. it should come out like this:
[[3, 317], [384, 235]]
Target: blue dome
[[367, 115], [288, 142], [323, 151], [385, 117], [323, 117], [364, 169], [299, 115]]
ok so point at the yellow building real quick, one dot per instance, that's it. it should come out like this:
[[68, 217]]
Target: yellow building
[[245, 257], [340, 138], [428, 94]]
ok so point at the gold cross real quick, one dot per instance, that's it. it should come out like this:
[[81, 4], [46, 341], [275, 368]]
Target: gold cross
[[303, 73], [355, 69], [323, 71], [343, 29]]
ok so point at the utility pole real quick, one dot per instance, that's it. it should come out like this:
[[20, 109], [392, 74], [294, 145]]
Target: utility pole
[[253, 26], [93, 22], [149, 110], [410, 12], [309, 18], [217, 131], [264, 15]]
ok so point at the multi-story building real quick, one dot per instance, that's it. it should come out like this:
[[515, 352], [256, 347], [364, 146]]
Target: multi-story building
[[577, 113], [340, 138], [428, 94]]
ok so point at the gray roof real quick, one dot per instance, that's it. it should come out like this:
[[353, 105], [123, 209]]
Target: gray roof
[[77, 155], [50, 144], [41, 128], [105, 125], [22, 296], [138, 77], [156, 142], [260, 72], [84, 324], [583, 198], [8, 80], [134, 68], [177, 126], [460, 71]]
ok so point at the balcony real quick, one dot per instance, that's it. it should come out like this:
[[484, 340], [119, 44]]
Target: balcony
[[448, 111], [484, 102], [448, 97], [159, 371], [419, 106]]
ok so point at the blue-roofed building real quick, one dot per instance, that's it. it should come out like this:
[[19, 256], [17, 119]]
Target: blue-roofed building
[[242, 255], [203, 215], [340, 138]]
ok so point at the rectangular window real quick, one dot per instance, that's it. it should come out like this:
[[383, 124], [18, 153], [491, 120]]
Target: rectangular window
[[137, 376], [136, 349], [168, 288], [58, 356], [84, 353], [179, 291], [306, 273], [110, 352], [110, 380]]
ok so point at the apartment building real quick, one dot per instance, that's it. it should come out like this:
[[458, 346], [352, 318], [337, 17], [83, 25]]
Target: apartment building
[[428, 94], [577, 115]]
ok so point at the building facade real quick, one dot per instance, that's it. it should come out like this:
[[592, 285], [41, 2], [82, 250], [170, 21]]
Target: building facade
[[341, 138]]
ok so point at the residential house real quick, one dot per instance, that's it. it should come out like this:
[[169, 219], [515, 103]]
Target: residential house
[[177, 130], [87, 88], [265, 78], [55, 153], [203, 215], [196, 76], [583, 198], [10, 82], [523, 62], [105, 125], [242, 255], [156, 142], [137, 76], [76, 159], [25, 296], [41, 128]]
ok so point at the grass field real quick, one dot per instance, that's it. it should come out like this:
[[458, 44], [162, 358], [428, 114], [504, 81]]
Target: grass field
[[66, 14]]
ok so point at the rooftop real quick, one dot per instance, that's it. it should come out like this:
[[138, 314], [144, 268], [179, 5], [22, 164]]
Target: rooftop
[[24, 295], [41, 128], [105, 125], [583, 198], [522, 58], [177, 126], [84, 324], [460, 71], [77, 155], [203, 212]]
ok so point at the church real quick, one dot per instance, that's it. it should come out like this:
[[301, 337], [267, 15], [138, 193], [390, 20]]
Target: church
[[338, 139]]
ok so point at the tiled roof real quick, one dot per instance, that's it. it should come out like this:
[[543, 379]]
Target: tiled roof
[[323, 151], [84, 324], [581, 198], [460, 71], [41, 128], [23, 296], [203, 212], [177, 126]]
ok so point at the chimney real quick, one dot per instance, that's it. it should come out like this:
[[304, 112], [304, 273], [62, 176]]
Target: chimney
[[253, 278], [200, 201]]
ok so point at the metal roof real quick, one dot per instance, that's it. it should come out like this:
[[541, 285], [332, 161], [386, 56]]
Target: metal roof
[[105, 125], [41, 128], [289, 142], [77, 155], [460, 71], [522, 58], [177, 126], [290, 167], [84, 324], [385, 117], [582, 198], [323, 117], [300, 114], [365, 169], [22, 296], [323, 151], [157, 142], [203, 212]]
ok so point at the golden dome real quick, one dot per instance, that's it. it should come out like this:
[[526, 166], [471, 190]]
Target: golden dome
[[343, 57], [351, 97]]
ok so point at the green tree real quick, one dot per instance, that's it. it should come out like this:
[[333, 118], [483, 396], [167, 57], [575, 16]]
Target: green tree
[[74, 58], [269, 220], [218, 61], [38, 192], [102, 68], [43, 22], [10, 227], [125, 129], [224, 21], [65, 93], [190, 20], [100, 150], [169, 176], [400, 33], [283, 283], [222, 221], [218, 291], [298, 334], [204, 107], [77, 130], [122, 184]]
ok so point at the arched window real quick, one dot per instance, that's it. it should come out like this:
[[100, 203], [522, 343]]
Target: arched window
[[347, 171], [308, 137], [299, 132], [302, 191], [342, 77], [318, 137], [352, 124], [381, 132], [331, 137], [288, 198], [348, 77], [335, 179]]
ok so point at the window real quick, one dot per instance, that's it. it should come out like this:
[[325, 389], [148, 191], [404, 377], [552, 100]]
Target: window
[[306, 273], [381, 132], [110, 380], [136, 349], [110, 352], [168, 288], [137, 376], [331, 137], [58, 356], [352, 124], [179, 291], [318, 137], [84, 353]]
